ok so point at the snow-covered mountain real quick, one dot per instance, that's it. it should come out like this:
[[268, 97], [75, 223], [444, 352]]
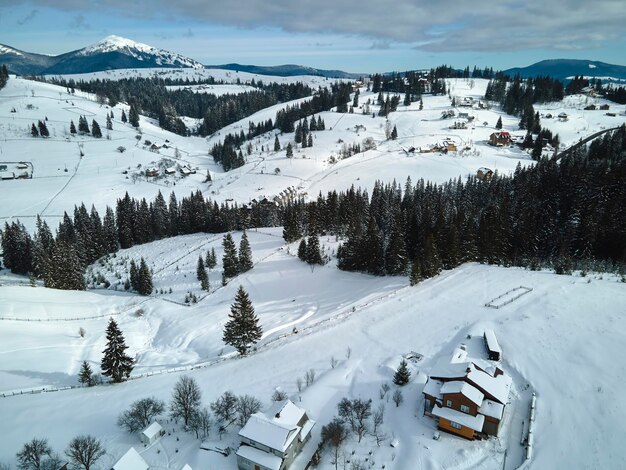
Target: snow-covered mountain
[[112, 52]]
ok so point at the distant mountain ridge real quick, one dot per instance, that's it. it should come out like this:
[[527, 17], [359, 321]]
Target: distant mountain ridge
[[287, 70], [564, 68], [113, 52]]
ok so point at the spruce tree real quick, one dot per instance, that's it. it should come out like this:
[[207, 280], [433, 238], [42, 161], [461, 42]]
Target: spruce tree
[[276, 144], [145, 278], [313, 252], [33, 130], [289, 150], [230, 260], [85, 376], [95, 129], [245, 254], [203, 277], [116, 364], [83, 127], [43, 129], [499, 123], [211, 259], [302, 250], [242, 329], [124, 118], [109, 123], [402, 375], [134, 275], [133, 116], [72, 128], [394, 133]]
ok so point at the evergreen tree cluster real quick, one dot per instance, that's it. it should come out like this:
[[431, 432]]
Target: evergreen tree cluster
[[151, 97], [141, 277], [516, 96], [309, 250], [616, 94], [41, 129], [234, 263], [4, 76]]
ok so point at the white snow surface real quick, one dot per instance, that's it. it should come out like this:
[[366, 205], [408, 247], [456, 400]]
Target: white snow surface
[[563, 340]]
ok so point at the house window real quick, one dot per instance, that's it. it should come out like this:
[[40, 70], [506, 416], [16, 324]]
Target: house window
[[465, 409], [449, 403], [455, 425]]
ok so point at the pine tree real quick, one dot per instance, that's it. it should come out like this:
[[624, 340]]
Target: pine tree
[[310, 140], [242, 329], [95, 129], [43, 129], [289, 150], [230, 259], [313, 252], [144, 278], [276, 144], [83, 127], [124, 118], [116, 364], [402, 375], [134, 275], [133, 116], [245, 254], [211, 259], [499, 123], [394, 133], [72, 128], [203, 277], [109, 122], [85, 376], [302, 250], [33, 130]]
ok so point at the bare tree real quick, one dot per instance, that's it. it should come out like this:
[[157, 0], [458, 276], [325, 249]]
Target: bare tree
[[335, 433], [279, 395], [32, 454], [84, 451], [397, 398], [140, 414], [225, 409], [309, 377], [333, 362], [356, 412], [384, 388], [299, 384], [185, 399], [247, 405], [201, 423], [377, 422]]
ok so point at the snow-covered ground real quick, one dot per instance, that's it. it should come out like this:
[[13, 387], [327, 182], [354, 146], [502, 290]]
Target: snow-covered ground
[[562, 340]]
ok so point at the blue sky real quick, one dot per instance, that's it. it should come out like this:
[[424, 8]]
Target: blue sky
[[354, 35]]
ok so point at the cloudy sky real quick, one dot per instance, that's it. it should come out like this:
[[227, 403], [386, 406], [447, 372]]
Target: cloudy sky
[[353, 35]]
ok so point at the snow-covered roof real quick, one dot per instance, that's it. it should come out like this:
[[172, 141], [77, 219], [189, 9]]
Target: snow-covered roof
[[492, 409], [492, 341], [152, 431], [131, 460], [445, 369], [277, 428], [498, 387], [186, 467], [306, 429], [465, 389], [433, 388], [265, 459], [469, 421]]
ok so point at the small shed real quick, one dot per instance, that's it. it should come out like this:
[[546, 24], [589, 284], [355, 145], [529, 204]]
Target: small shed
[[152, 433], [491, 343], [131, 460]]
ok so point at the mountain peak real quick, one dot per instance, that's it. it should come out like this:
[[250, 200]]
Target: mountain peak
[[115, 43]]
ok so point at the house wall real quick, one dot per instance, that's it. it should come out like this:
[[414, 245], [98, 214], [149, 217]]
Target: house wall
[[458, 400], [491, 426], [245, 464], [465, 432]]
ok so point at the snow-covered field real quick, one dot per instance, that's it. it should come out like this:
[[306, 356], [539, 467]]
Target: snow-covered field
[[562, 340]]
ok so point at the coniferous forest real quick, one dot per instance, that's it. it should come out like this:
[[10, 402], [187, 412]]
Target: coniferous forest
[[566, 214]]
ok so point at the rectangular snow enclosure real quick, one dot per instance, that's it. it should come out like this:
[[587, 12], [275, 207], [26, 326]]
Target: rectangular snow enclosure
[[493, 348]]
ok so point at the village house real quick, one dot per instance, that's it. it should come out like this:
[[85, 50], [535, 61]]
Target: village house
[[131, 460], [604, 107], [591, 107], [484, 174], [272, 440], [467, 397], [499, 139], [152, 433], [152, 171]]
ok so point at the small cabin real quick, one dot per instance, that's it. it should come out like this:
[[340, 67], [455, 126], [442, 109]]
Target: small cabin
[[484, 174], [591, 107], [499, 139], [491, 344], [152, 433], [152, 172]]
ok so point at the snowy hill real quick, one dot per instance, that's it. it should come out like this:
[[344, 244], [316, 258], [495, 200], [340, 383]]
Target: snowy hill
[[112, 52], [567, 68]]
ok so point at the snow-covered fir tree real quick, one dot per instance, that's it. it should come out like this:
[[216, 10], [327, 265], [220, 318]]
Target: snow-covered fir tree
[[242, 329], [115, 363]]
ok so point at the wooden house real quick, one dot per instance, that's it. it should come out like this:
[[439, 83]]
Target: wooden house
[[466, 399], [591, 107], [604, 107], [499, 139], [152, 172], [272, 440], [484, 174]]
